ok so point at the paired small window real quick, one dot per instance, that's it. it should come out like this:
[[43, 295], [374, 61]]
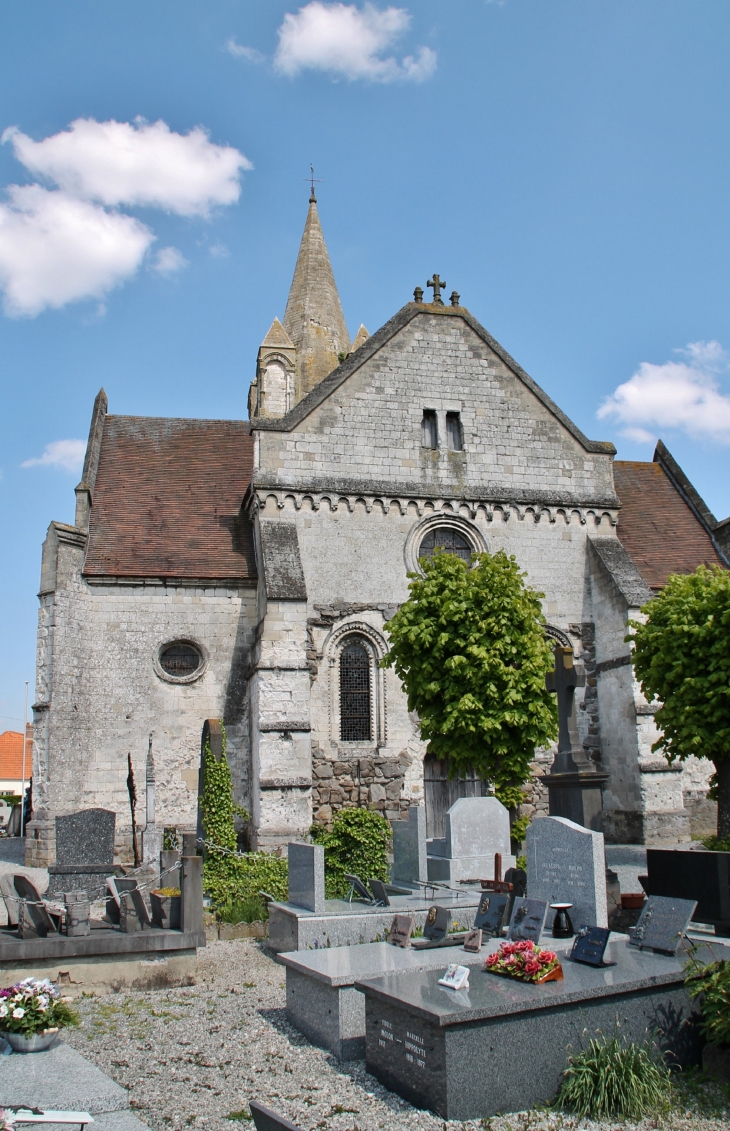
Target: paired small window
[[430, 431]]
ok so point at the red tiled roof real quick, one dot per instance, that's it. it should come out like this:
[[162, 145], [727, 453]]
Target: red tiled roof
[[656, 526], [11, 754], [167, 500]]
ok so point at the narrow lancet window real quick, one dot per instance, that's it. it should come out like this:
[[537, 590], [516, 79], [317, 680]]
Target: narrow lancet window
[[454, 439], [429, 429], [355, 724]]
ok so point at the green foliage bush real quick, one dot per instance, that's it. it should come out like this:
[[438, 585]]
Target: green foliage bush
[[358, 844], [611, 1079], [470, 650], [711, 983], [682, 656]]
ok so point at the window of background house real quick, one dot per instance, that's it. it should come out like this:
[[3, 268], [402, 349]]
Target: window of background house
[[454, 439], [355, 724], [445, 537], [429, 429]]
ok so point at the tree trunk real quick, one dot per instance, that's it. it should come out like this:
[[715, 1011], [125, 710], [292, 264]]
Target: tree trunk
[[722, 769]]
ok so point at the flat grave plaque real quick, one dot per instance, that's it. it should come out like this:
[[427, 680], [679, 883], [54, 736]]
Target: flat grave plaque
[[528, 920], [401, 930], [377, 887], [590, 946], [662, 924], [491, 913], [473, 941]]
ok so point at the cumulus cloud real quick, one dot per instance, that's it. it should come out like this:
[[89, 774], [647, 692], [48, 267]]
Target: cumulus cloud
[[240, 51], [349, 42], [683, 395], [169, 260], [135, 163], [67, 455], [55, 249]]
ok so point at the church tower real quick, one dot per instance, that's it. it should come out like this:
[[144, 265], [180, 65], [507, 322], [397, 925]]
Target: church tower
[[296, 356]]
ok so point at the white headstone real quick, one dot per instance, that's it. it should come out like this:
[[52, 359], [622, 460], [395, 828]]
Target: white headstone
[[566, 864], [476, 829]]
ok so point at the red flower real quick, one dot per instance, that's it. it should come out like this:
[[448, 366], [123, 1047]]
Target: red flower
[[524, 944], [492, 959], [547, 956], [532, 967], [508, 948]]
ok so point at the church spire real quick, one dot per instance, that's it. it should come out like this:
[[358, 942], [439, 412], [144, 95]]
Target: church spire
[[313, 318]]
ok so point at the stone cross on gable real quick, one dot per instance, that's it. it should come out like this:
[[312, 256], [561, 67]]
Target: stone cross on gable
[[438, 285], [563, 680]]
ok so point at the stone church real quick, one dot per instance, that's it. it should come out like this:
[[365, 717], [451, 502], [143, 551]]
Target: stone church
[[245, 570]]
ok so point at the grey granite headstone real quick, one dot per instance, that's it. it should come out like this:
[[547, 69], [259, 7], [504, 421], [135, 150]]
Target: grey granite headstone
[[566, 864], [86, 837], [662, 923], [409, 848], [476, 828], [306, 876]]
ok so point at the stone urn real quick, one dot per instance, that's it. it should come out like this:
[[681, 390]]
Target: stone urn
[[716, 1062], [39, 1042], [166, 908]]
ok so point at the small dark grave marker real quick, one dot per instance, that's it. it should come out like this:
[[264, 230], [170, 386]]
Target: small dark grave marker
[[517, 878], [377, 887], [662, 924], [437, 923], [528, 920], [473, 941], [401, 930], [590, 946], [265, 1119], [491, 912], [357, 887]]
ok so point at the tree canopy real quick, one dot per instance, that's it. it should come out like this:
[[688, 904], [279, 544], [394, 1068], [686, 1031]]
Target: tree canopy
[[682, 657], [470, 649]]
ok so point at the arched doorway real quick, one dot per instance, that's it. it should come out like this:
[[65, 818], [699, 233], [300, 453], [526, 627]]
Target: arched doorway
[[440, 791]]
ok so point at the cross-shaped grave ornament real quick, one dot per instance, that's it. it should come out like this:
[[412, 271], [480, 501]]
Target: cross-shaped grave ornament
[[438, 285], [564, 680]]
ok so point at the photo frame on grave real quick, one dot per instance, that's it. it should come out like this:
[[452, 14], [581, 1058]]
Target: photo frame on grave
[[473, 941], [589, 946], [662, 924], [527, 920], [401, 930], [438, 921], [377, 887], [491, 913]]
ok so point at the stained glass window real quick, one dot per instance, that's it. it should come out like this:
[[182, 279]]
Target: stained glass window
[[447, 538], [180, 659], [355, 725]]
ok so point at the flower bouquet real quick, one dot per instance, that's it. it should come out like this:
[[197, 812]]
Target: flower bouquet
[[31, 1014], [525, 961]]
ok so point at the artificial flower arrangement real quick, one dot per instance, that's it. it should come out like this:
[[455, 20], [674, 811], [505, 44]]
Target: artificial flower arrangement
[[526, 961], [35, 1007], [7, 1120]]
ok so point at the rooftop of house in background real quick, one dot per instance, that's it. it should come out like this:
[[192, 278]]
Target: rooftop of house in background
[[663, 523], [11, 754]]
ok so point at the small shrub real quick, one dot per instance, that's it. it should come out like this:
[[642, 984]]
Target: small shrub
[[249, 909], [714, 844], [711, 982], [610, 1079], [358, 844], [167, 893], [170, 840]]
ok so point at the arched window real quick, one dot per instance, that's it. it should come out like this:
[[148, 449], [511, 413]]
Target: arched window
[[447, 538], [355, 705]]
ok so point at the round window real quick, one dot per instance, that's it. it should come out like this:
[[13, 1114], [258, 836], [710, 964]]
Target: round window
[[180, 659], [445, 538]]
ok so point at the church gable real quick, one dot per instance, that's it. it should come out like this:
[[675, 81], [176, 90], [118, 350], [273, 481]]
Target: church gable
[[431, 404]]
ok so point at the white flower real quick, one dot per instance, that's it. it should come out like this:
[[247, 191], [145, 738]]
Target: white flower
[[43, 1000], [18, 1013], [3, 1010]]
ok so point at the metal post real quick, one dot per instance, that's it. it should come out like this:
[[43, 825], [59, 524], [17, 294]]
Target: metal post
[[25, 740]]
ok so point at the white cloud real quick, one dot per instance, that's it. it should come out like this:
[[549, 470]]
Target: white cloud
[[240, 51], [169, 260], [135, 163], [55, 249], [683, 395], [219, 250], [349, 42], [68, 455]]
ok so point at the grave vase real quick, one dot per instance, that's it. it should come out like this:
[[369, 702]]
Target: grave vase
[[38, 1042]]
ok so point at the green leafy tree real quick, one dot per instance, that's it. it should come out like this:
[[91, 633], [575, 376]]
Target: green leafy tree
[[682, 657], [357, 844], [470, 649]]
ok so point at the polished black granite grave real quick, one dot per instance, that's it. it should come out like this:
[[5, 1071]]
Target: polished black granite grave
[[502, 1045]]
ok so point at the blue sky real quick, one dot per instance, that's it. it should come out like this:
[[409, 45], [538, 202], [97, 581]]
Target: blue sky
[[563, 164]]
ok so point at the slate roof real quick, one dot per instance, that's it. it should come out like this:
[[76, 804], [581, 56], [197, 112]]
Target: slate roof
[[659, 528], [167, 500]]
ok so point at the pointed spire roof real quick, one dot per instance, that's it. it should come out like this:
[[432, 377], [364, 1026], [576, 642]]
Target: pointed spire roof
[[360, 337], [313, 319], [277, 336]]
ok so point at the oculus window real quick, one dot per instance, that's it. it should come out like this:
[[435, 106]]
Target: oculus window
[[180, 659], [446, 538], [355, 695]]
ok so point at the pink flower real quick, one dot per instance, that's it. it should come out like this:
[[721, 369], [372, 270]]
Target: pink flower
[[547, 956], [492, 959], [532, 967], [524, 944]]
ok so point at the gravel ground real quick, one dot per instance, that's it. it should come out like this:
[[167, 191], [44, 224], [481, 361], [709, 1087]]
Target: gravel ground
[[193, 1057]]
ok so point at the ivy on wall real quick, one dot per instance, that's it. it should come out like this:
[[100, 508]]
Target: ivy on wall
[[358, 844]]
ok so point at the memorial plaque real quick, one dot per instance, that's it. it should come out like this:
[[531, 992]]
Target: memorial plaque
[[662, 924], [401, 930], [528, 920], [438, 921], [590, 946], [357, 887], [491, 913], [456, 977], [473, 942], [377, 887]]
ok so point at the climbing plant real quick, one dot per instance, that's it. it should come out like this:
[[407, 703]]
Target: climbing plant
[[357, 844]]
